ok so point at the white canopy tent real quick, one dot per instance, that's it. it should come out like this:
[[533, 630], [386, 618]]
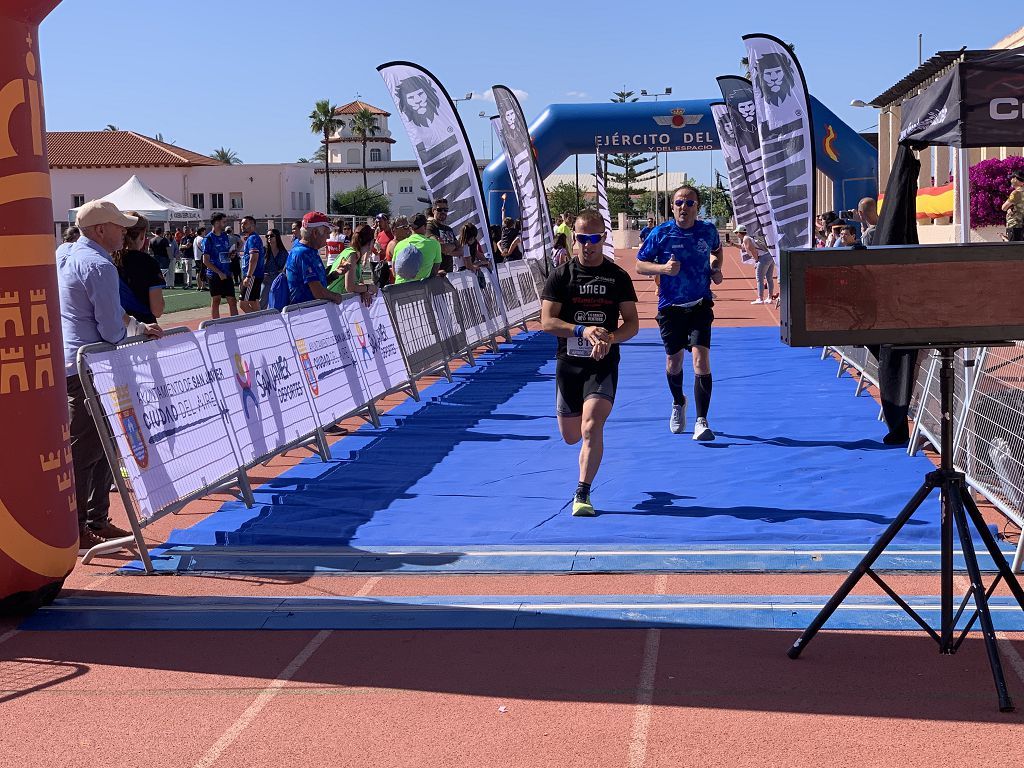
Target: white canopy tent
[[133, 195]]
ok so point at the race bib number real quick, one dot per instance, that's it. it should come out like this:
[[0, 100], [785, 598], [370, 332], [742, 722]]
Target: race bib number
[[579, 347]]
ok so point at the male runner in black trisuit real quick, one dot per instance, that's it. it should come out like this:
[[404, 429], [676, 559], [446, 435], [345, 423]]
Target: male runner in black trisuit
[[583, 300]]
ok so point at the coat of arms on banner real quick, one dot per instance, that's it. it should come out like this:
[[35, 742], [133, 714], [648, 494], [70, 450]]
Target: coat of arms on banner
[[130, 425], [363, 345], [307, 366], [244, 378]]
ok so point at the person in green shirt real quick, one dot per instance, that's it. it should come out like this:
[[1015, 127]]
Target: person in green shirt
[[1014, 207], [565, 228], [417, 257], [350, 272]]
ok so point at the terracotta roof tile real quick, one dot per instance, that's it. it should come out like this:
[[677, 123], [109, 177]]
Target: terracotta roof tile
[[77, 149], [354, 106]]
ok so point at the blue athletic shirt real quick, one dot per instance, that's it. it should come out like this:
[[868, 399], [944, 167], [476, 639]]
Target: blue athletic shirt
[[692, 248], [304, 267], [218, 248], [253, 243]]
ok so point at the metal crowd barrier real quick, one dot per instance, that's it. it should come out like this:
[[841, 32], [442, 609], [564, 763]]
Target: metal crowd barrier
[[241, 390], [860, 360], [988, 441]]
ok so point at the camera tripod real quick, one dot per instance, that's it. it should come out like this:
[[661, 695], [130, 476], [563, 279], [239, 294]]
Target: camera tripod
[[957, 506]]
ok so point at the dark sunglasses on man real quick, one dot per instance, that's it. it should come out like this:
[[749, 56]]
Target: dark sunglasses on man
[[440, 210], [687, 203], [588, 239]]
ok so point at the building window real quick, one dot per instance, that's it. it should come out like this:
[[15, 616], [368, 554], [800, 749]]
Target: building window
[[216, 200], [294, 206], [77, 201], [374, 155], [405, 187], [236, 201], [353, 157], [309, 201], [199, 200]]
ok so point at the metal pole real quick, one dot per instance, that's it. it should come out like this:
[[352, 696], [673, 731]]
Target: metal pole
[[962, 196], [920, 51], [577, 185]]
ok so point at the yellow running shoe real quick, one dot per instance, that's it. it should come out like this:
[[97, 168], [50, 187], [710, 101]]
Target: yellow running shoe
[[582, 507]]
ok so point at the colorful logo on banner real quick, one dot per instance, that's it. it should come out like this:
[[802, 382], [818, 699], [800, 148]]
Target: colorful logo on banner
[[363, 345], [130, 425], [244, 378], [678, 118], [307, 366], [828, 143]]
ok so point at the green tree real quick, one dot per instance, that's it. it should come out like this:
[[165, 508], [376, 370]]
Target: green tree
[[324, 121], [160, 137], [633, 169], [566, 197], [226, 156], [302, 160], [364, 125], [111, 127], [361, 202], [716, 203]]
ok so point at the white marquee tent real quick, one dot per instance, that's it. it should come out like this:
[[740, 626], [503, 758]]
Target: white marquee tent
[[133, 195]]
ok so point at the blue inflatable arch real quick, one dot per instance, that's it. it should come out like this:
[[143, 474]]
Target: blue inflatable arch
[[563, 130]]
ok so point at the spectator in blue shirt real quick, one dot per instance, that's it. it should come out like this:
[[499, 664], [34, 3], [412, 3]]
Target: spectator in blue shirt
[[217, 259], [685, 254], [648, 229], [90, 312], [253, 260], [305, 271]]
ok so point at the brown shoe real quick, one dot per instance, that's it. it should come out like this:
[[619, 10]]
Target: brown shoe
[[87, 539], [111, 531]]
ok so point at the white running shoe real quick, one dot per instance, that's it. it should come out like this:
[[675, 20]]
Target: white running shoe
[[701, 430], [759, 301], [677, 421]]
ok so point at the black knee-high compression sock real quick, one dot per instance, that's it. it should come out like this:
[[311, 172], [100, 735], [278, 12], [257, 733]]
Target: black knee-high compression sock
[[702, 394], [675, 386]]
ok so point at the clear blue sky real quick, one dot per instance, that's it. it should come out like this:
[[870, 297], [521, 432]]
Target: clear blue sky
[[244, 74]]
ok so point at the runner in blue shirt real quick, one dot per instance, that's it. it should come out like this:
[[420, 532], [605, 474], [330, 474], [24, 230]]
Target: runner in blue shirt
[[648, 229], [253, 253], [685, 256], [216, 249], [305, 271]]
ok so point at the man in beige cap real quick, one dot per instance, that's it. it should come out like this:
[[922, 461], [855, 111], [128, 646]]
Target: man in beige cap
[[90, 311]]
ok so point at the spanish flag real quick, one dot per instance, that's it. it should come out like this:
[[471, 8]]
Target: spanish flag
[[932, 202]]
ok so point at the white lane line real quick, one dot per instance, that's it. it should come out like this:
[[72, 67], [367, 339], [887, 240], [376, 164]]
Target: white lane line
[[1006, 648], [262, 700], [371, 582], [8, 635], [645, 688]]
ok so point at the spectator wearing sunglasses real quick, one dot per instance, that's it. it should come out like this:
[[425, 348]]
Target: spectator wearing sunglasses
[[685, 254], [582, 302], [445, 235]]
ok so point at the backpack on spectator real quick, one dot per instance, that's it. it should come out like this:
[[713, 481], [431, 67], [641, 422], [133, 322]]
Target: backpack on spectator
[[278, 297]]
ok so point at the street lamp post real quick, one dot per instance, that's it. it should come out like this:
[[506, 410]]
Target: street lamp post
[[657, 163], [490, 131], [467, 97]]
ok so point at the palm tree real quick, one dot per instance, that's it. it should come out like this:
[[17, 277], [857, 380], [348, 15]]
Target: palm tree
[[745, 61], [226, 156], [319, 155], [111, 127], [160, 137], [322, 120], [624, 96], [364, 125]]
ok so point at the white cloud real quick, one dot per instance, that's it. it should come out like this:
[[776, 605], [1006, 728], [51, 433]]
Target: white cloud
[[488, 96], [576, 94]]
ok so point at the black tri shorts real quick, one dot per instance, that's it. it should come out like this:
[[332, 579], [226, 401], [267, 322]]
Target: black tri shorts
[[686, 327], [221, 286], [576, 382]]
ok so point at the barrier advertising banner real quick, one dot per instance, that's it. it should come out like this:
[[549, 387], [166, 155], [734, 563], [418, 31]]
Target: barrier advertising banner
[[538, 237], [784, 127], [526, 287], [162, 405], [322, 341], [374, 346], [480, 323], [602, 206], [442, 150], [263, 385], [739, 100]]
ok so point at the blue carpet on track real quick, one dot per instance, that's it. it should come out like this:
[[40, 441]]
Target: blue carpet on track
[[798, 461]]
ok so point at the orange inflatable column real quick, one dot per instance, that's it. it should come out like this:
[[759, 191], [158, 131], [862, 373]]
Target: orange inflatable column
[[38, 519]]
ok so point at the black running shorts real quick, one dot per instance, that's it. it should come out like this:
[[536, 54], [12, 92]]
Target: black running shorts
[[576, 382], [221, 286], [686, 327], [251, 292]]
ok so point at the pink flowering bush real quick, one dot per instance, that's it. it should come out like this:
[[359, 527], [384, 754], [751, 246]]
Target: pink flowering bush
[[990, 186]]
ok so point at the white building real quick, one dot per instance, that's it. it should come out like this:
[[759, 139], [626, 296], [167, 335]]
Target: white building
[[85, 165]]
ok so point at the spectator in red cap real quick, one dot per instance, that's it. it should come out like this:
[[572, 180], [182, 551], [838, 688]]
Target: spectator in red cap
[[305, 271]]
